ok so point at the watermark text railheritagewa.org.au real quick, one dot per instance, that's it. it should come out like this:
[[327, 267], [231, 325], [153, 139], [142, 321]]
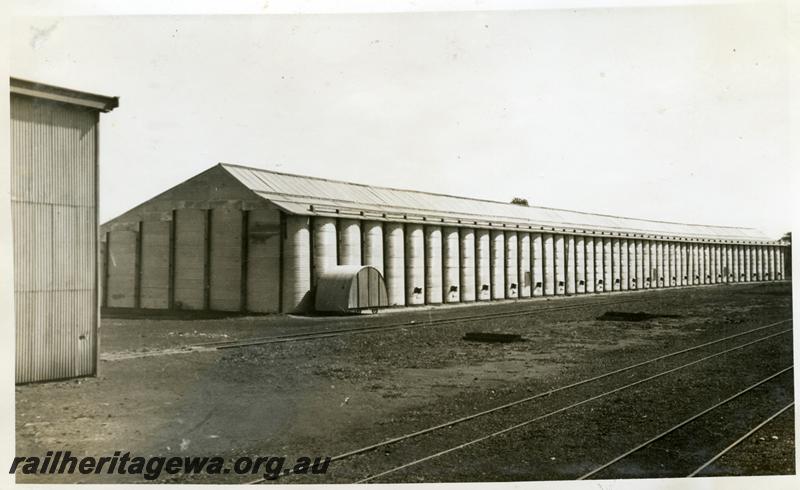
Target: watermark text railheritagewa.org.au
[[151, 467]]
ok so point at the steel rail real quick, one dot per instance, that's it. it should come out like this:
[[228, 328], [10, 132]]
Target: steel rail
[[227, 344], [740, 440], [681, 424], [562, 409], [295, 337], [451, 423]]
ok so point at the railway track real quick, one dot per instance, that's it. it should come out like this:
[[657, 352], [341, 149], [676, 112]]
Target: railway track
[[689, 425], [546, 394], [740, 440], [334, 332], [296, 337]]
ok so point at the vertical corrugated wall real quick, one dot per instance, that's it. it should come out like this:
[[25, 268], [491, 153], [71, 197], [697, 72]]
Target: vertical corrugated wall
[[155, 256], [263, 260], [190, 258], [226, 260], [54, 215]]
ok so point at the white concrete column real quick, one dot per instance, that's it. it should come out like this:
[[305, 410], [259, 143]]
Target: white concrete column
[[537, 254], [512, 265], [608, 264], [524, 274], [324, 254], [633, 277], [415, 264], [560, 259], [623, 265], [467, 254], [599, 274], [591, 267], [373, 244], [483, 265], [616, 264], [640, 265], [498, 245], [673, 262], [451, 263], [296, 263], [433, 265], [349, 242], [394, 263], [569, 241]]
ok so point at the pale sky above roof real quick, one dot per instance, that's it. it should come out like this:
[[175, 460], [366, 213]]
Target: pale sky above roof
[[671, 113]]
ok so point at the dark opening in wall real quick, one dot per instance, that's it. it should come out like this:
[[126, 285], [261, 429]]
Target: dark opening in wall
[[538, 285], [453, 289], [417, 290], [513, 286], [560, 283], [616, 281], [580, 283], [484, 287], [599, 282]]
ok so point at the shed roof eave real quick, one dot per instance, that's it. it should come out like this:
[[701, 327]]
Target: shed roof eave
[[332, 209], [101, 103]]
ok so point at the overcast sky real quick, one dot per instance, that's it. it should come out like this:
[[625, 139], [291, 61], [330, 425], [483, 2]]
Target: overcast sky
[[671, 113]]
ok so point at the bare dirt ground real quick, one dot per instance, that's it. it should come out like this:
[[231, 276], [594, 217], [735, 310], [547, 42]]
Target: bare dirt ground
[[327, 396]]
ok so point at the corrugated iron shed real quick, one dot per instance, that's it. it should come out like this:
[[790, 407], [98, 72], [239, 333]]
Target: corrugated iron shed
[[54, 222], [302, 195], [350, 288]]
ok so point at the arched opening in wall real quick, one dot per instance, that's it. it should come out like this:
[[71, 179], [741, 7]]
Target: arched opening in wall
[[350, 289]]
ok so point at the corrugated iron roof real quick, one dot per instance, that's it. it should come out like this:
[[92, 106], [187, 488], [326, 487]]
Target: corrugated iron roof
[[303, 195], [29, 88]]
